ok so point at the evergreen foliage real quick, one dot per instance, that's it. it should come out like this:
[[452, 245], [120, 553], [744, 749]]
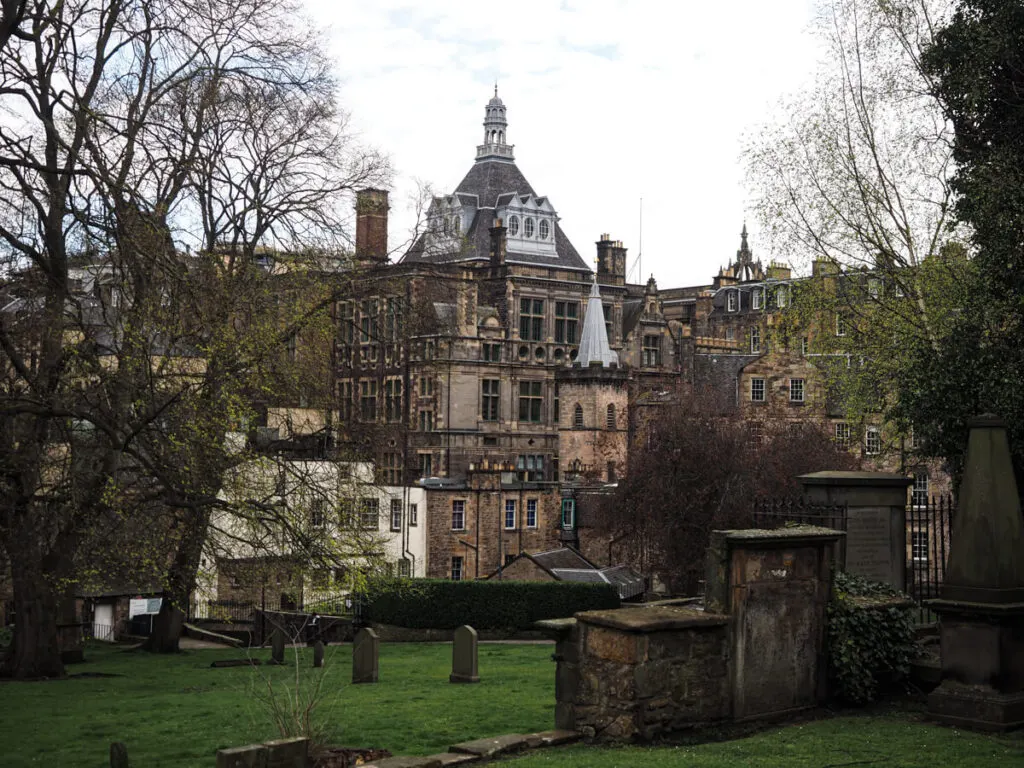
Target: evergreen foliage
[[870, 639], [443, 604]]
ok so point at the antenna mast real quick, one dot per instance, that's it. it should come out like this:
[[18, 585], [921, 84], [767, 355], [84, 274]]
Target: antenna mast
[[640, 249]]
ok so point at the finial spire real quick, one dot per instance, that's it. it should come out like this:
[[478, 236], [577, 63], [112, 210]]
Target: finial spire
[[495, 89], [594, 345]]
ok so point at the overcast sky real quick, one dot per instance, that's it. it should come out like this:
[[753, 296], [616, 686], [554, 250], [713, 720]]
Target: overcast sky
[[608, 102]]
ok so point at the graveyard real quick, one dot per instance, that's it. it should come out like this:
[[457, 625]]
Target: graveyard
[[177, 711]]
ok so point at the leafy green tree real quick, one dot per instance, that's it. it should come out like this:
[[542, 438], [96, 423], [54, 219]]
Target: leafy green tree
[[976, 65]]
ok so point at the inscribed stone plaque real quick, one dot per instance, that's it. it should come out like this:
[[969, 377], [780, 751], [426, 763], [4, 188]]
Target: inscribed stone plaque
[[365, 656], [464, 656], [869, 544]]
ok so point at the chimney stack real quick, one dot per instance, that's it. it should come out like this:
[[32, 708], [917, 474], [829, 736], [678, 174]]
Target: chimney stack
[[499, 243], [611, 261], [372, 225]]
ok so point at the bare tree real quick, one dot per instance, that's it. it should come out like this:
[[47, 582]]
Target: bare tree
[[696, 470], [134, 129], [855, 177]]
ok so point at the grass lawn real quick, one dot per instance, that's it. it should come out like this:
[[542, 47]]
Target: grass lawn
[[893, 740], [177, 711]]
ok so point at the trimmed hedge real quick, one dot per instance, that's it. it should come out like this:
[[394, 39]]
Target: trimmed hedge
[[443, 604]]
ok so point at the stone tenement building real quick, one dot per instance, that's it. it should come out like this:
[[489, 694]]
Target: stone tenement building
[[460, 355]]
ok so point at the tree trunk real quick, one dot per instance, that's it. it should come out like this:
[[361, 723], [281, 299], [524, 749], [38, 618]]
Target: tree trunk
[[35, 651], [181, 580]]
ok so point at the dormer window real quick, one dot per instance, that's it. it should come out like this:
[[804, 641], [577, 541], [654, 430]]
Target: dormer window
[[544, 230], [528, 228], [455, 225], [731, 302], [513, 225]]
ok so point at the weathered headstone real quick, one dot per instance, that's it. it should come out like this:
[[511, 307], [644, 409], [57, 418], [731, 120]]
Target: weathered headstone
[[876, 527], [365, 656], [118, 755], [277, 647], [318, 654], [464, 656]]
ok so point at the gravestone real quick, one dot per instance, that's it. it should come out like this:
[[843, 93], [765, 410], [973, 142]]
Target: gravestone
[[876, 527], [365, 656], [318, 654], [464, 656], [277, 647], [118, 755]]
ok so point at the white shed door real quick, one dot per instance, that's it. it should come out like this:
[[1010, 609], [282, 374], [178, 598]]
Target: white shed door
[[103, 622]]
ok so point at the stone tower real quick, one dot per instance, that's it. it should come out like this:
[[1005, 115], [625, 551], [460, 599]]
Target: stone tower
[[495, 131], [592, 395]]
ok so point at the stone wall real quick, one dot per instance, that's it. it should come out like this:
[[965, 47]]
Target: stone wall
[[637, 673]]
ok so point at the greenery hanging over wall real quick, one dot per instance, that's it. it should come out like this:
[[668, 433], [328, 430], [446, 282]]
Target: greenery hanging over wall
[[870, 639]]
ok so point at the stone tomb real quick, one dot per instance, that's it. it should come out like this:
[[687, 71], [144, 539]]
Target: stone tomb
[[365, 657], [757, 650], [464, 656], [775, 586]]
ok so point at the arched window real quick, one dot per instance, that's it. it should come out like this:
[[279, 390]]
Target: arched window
[[611, 416], [513, 225], [528, 228], [544, 229], [577, 415]]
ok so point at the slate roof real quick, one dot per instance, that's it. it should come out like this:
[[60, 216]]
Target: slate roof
[[490, 178], [566, 564], [563, 557], [631, 311], [489, 184]]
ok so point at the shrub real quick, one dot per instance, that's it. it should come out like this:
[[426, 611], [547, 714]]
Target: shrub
[[6, 635], [442, 604], [870, 639]]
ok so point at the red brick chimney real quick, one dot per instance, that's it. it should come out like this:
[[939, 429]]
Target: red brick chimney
[[372, 225]]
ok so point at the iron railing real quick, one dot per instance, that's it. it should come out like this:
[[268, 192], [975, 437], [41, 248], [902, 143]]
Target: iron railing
[[929, 528]]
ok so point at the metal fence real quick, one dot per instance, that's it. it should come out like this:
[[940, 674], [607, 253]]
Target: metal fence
[[929, 526], [929, 523], [244, 611], [777, 513]]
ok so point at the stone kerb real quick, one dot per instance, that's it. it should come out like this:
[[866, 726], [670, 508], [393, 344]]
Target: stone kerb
[[643, 672], [876, 528], [282, 753]]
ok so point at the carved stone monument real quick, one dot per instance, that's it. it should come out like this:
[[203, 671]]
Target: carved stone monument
[[981, 604], [464, 656], [365, 656], [876, 521]]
